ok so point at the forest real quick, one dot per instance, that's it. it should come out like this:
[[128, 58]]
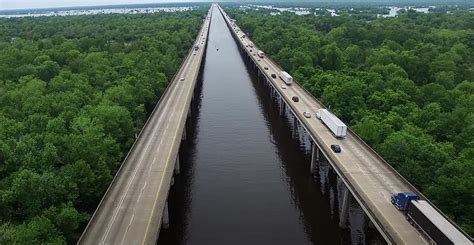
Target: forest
[[74, 92], [405, 85]]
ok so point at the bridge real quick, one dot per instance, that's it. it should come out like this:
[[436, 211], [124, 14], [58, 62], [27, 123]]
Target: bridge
[[363, 174], [134, 207]]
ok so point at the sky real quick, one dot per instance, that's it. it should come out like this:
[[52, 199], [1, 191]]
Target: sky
[[29, 4]]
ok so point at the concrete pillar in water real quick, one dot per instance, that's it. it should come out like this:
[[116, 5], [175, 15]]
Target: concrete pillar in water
[[346, 200], [282, 107], [314, 157], [176, 165], [295, 126], [165, 219]]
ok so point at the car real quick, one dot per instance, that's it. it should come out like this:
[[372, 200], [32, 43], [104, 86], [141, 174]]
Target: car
[[336, 148], [266, 68], [307, 114], [181, 79], [258, 59], [274, 75], [196, 47], [295, 99], [250, 50], [283, 87]]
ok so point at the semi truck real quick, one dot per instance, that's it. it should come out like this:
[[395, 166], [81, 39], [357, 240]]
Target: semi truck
[[337, 127], [286, 78], [426, 218]]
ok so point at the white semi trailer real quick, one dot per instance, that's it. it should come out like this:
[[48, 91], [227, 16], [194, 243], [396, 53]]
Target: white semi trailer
[[286, 78], [337, 127]]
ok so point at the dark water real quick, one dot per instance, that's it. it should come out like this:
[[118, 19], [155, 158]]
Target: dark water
[[245, 179]]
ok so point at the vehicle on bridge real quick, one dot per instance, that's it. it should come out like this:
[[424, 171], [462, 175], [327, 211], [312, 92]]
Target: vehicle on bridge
[[336, 148], [286, 78], [422, 215], [260, 53], [337, 127], [295, 99]]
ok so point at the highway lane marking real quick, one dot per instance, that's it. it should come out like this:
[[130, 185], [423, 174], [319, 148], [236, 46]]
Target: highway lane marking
[[148, 143], [128, 228]]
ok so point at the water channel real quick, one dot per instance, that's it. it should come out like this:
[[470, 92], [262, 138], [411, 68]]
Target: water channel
[[244, 179]]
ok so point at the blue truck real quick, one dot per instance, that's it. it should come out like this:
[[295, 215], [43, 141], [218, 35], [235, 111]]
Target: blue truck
[[422, 215]]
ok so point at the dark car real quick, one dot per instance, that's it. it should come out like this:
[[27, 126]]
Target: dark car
[[274, 76], [295, 99], [336, 148], [266, 68]]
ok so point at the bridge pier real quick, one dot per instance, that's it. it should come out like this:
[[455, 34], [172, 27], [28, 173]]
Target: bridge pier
[[282, 107], [346, 200], [295, 127], [189, 112], [184, 133], [176, 165], [314, 157], [165, 220]]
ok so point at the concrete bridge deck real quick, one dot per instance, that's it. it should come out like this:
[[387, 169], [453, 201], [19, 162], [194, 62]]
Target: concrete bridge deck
[[132, 210]]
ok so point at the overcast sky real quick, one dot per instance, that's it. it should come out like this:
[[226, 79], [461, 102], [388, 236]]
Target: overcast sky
[[22, 4]]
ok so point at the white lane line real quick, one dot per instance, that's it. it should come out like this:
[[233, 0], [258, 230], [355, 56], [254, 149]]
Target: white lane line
[[128, 228]]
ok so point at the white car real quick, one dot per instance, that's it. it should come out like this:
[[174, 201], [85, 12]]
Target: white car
[[283, 87], [181, 79], [307, 114]]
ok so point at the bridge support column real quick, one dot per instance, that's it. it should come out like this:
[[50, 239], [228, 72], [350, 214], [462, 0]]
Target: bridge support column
[[172, 181], [184, 133], [165, 220], [176, 165], [282, 107], [346, 199], [189, 112], [295, 127], [314, 157]]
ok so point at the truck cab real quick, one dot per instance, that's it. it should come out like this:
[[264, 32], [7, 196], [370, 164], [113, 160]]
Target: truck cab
[[401, 199]]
